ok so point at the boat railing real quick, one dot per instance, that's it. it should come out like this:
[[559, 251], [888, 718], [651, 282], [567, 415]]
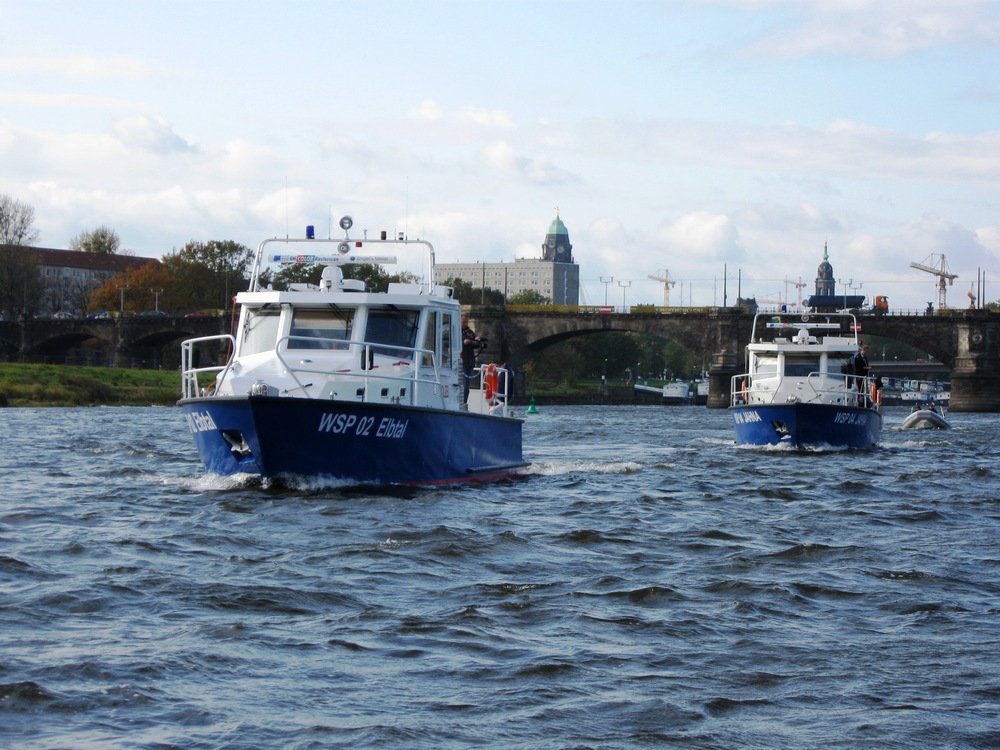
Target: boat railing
[[190, 387], [823, 387], [493, 395], [417, 378]]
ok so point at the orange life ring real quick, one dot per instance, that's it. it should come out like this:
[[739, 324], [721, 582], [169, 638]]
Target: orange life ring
[[490, 380], [876, 395]]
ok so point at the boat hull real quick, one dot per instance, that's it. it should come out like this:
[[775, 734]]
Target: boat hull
[[354, 443], [808, 427], [925, 419]]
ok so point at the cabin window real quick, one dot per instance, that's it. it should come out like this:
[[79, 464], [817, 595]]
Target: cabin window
[[767, 364], [320, 329], [840, 365], [430, 337], [392, 332], [261, 330], [448, 323], [800, 367]]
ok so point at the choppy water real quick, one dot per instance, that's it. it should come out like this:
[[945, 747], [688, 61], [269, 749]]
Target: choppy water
[[646, 584]]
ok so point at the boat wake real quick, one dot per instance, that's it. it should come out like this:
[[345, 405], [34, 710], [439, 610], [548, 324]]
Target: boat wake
[[557, 468]]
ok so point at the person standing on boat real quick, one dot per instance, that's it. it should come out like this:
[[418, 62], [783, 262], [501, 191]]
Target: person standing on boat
[[861, 369], [471, 344]]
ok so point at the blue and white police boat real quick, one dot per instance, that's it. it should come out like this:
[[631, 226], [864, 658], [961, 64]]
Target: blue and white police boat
[[800, 390], [337, 383]]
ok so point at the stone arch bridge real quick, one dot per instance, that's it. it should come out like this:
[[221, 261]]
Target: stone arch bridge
[[118, 342], [966, 342]]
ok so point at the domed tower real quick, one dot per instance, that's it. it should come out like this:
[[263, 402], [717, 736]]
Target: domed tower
[[556, 247], [825, 283]]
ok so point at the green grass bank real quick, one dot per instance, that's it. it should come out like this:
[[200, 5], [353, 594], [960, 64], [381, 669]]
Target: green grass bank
[[61, 385]]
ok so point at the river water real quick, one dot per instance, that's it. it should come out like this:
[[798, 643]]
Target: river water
[[645, 584]]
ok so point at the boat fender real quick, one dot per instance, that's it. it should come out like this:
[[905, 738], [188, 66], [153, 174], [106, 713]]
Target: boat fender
[[490, 379]]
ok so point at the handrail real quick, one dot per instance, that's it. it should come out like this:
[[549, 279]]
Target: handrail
[[413, 378], [742, 386], [189, 373]]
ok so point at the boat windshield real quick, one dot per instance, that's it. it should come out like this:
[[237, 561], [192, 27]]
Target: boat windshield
[[395, 328], [261, 330], [800, 367], [320, 329]]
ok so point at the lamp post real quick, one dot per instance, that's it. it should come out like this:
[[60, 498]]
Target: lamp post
[[156, 296], [606, 288], [624, 285], [121, 305]]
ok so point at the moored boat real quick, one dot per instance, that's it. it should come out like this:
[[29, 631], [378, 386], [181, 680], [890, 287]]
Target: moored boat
[[676, 392], [339, 383], [926, 417], [800, 390]]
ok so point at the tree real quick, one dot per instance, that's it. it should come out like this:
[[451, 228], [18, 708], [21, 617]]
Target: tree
[[468, 294], [373, 275], [21, 287], [209, 274], [20, 284], [16, 222], [528, 297], [102, 241], [137, 289]]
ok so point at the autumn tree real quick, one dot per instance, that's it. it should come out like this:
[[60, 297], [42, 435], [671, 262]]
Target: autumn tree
[[146, 287], [209, 274], [101, 241]]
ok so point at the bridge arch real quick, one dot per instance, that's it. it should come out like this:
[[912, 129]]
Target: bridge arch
[[967, 342]]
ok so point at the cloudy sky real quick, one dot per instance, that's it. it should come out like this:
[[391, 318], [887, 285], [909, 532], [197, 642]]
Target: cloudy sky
[[700, 137]]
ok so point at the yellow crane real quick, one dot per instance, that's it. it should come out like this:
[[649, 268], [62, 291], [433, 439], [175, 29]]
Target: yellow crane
[[939, 269], [667, 283]]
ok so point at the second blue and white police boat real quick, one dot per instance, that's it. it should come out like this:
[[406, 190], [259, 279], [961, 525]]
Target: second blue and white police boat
[[799, 390], [339, 383]]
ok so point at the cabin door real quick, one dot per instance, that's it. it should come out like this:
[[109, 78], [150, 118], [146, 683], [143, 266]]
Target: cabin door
[[438, 346]]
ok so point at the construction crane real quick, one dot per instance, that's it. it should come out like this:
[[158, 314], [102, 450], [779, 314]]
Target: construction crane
[[972, 297], [799, 286], [667, 283], [941, 271]]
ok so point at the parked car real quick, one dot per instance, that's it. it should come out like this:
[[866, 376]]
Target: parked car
[[153, 314], [99, 314]]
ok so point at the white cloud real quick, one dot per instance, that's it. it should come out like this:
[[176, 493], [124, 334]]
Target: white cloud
[[153, 134], [501, 156], [706, 235], [873, 29], [86, 67]]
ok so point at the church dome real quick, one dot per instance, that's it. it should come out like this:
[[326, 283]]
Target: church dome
[[557, 227], [557, 247]]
